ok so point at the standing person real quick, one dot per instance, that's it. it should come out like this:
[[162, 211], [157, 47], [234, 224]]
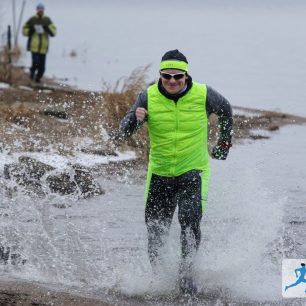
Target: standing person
[[38, 28], [176, 110]]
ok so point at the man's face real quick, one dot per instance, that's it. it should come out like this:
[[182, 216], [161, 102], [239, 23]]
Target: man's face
[[40, 11], [175, 83]]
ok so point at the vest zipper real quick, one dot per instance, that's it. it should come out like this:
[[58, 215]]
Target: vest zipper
[[175, 139]]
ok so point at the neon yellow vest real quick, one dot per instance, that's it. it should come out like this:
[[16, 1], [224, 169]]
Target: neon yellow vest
[[178, 132]]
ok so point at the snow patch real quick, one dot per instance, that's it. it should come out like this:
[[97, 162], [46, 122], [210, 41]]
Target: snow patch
[[60, 161], [4, 85]]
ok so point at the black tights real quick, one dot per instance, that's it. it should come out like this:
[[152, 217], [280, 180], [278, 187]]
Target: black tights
[[165, 193]]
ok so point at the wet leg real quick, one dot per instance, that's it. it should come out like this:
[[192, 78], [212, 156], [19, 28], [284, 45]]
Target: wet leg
[[159, 212], [35, 64], [41, 67], [190, 214]]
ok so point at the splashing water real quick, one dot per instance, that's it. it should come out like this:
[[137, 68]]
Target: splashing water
[[98, 245]]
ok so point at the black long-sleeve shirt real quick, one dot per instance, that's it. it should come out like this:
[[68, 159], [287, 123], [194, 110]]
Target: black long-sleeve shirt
[[215, 104]]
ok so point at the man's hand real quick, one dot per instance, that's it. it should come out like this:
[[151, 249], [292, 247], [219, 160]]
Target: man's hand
[[220, 151], [141, 113], [47, 30]]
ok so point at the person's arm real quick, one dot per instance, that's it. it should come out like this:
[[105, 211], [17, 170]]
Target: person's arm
[[28, 29], [49, 27], [129, 124], [217, 104]]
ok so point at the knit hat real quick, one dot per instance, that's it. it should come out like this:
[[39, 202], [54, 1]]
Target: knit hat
[[174, 59], [40, 6]]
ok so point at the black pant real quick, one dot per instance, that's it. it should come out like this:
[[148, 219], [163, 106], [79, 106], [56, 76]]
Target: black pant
[[164, 194], [39, 65]]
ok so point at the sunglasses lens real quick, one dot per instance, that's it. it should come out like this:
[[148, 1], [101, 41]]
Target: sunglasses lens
[[178, 76], [168, 76]]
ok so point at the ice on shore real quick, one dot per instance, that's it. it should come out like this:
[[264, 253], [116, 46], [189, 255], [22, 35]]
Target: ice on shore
[[61, 161]]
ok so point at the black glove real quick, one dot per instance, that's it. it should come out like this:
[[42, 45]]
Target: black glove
[[220, 151], [47, 30]]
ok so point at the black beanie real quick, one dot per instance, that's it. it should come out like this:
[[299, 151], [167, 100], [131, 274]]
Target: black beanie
[[174, 55]]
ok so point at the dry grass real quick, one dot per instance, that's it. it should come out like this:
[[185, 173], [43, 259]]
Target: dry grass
[[15, 54], [8, 73], [118, 99], [271, 115]]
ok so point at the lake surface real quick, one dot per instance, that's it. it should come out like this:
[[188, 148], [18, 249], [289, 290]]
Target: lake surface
[[251, 52]]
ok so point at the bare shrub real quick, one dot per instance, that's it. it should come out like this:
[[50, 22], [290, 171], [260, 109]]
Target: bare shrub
[[117, 101], [271, 114], [14, 53], [5, 73], [9, 73], [119, 98]]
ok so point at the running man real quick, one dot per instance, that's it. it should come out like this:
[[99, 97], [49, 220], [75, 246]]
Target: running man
[[176, 110]]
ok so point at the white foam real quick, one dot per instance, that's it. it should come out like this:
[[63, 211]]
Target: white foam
[[62, 161]]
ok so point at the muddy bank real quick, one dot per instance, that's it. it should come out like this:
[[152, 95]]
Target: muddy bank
[[66, 120]]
